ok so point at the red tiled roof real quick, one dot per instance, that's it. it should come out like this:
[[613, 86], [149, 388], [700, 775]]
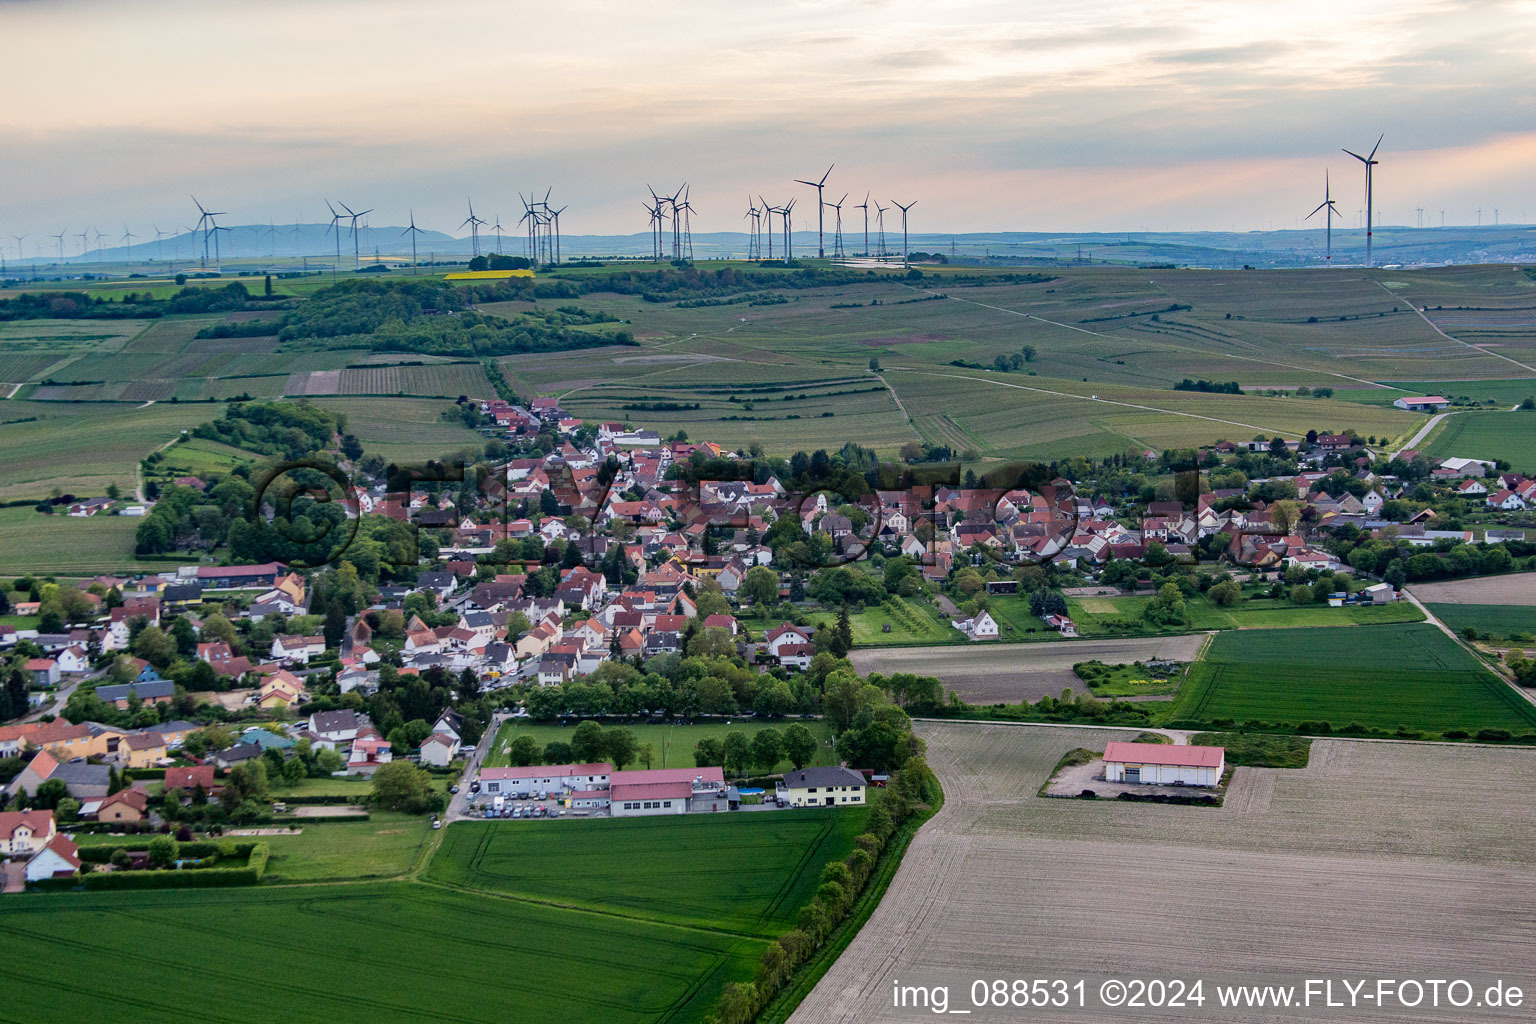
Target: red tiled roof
[[1164, 753]]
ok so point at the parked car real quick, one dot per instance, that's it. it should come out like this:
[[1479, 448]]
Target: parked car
[[474, 787], [453, 788], [436, 823]]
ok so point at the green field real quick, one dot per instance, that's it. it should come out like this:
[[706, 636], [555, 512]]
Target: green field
[[504, 924], [748, 872], [64, 545], [671, 745], [1381, 677], [80, 448], [1505, 620], [1488, 435]]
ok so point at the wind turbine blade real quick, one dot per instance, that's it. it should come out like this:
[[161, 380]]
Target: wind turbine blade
[[1357, 156], [1378, 144], [823, 180]]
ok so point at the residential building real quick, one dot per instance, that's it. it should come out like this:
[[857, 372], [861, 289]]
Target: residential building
[[822, 787]]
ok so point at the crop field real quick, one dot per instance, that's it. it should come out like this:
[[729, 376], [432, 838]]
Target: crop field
[[1503, 620], [986, 673], [1389, 837], [427, 953], [59, 543], [1488, 435], [404, 428], [82, 448], [1105, 616], [1505, 393], [671, 745], [1381, 677], [748, 872], [1513, 588]]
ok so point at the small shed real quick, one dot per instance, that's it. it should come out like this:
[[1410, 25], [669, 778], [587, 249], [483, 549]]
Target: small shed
[[1164, 764]]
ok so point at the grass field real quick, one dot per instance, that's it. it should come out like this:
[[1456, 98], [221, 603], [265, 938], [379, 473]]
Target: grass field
[[1381, 677], [749, 872], [503, 924], [1488, 435], [63, 545], [80, 448], [671, 745], [1503, 620], [403, 428]]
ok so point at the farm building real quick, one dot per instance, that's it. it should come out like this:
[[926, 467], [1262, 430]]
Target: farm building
[[500, 781], [1164, 764], [1433, 403]]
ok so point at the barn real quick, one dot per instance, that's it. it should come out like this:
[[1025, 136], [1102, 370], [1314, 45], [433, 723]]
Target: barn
[[1164, 764]]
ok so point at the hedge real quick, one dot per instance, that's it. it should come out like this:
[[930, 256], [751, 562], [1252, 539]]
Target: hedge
[[319, 819], [53, 884], [201, 878], [193, 848], [321, 799]]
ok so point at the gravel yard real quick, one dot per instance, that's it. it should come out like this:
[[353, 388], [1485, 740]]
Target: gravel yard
[[1008, 673], [1376, 860]]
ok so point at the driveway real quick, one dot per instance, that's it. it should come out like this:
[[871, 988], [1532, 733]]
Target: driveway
[[458, 803]]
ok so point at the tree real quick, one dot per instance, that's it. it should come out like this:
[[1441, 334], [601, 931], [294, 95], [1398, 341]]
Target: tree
[[621, 747], [709, 752], [218, 628], [767, 749], [154, 646], [1029, 353], [588, 744], [842, 637], [401, 786], [874, 363], [737, 749], [1225, 594], [558, 752], [760, 586], [1168, 608], [845, 696], [162, 852], [523, 751], [800, 745], [335, 624], [49, 794], [246, 781]]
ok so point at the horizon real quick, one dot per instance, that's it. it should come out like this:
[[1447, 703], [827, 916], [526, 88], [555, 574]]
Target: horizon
[[1097, 121]]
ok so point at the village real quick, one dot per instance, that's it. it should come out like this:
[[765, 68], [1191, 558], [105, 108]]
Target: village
[[652, 561]]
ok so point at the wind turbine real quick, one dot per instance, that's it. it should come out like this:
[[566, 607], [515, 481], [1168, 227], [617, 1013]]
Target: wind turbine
[[821, 246], [127, 239], [335, 226], [474, 226], [904, 210], [880, 222], [356, 260], [206, 224], [769, 212], [751, 215], [86, 234], [837, 231], [159, 251], [865, 207], [789, 233], [1333, 211], [655, 212], [60, 237], [686, 210], [413, 230], [497, 229], [1370, 163], [19, 254], [554, 215], [272, 237]]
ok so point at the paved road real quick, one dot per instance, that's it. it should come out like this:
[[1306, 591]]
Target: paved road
[[1422, 433], [458, 803], [57, 707]]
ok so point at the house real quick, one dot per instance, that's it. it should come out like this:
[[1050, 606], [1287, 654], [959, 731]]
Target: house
[[90, 506], [191, 778], [369, 751], [784, 635], [230, 577], [23, 833], [501, 781], [14, 737], [59, 858], [81, 778], [438, 749], [1505, 499], [124, 805], [822, 787], [331, 729], [237, 754], [121, 697], [1430, 403], [141, 749], [1062, 624], [61, 739], [280, 691], [796, 656], [654, 791], [44, 671], [1469, 488], [981, 626], [1163, 764], [73, 660], [297, 648]]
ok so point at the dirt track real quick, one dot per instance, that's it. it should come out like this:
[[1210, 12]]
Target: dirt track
[[1516, 588], [1339, 869], [1008, 673]]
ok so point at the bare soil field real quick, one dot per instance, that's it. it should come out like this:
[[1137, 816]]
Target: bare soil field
[[1377, 860], [1517, 588], [1009, 673]]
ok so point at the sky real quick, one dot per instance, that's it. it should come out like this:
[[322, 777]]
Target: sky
[[1099, 115]]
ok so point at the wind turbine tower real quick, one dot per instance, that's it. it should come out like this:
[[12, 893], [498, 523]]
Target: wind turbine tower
[[865, 207], [336, 227], [837, 230], [1370, 163], [413, 230], [821, 240], [880, 224], [1331, 210], [473, 223], [904, 210]]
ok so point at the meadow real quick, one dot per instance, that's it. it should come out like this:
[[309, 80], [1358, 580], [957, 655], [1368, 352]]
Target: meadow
[[1502, 620], [748, 872], [671, 745], [1379, 677], [1510, 436]]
